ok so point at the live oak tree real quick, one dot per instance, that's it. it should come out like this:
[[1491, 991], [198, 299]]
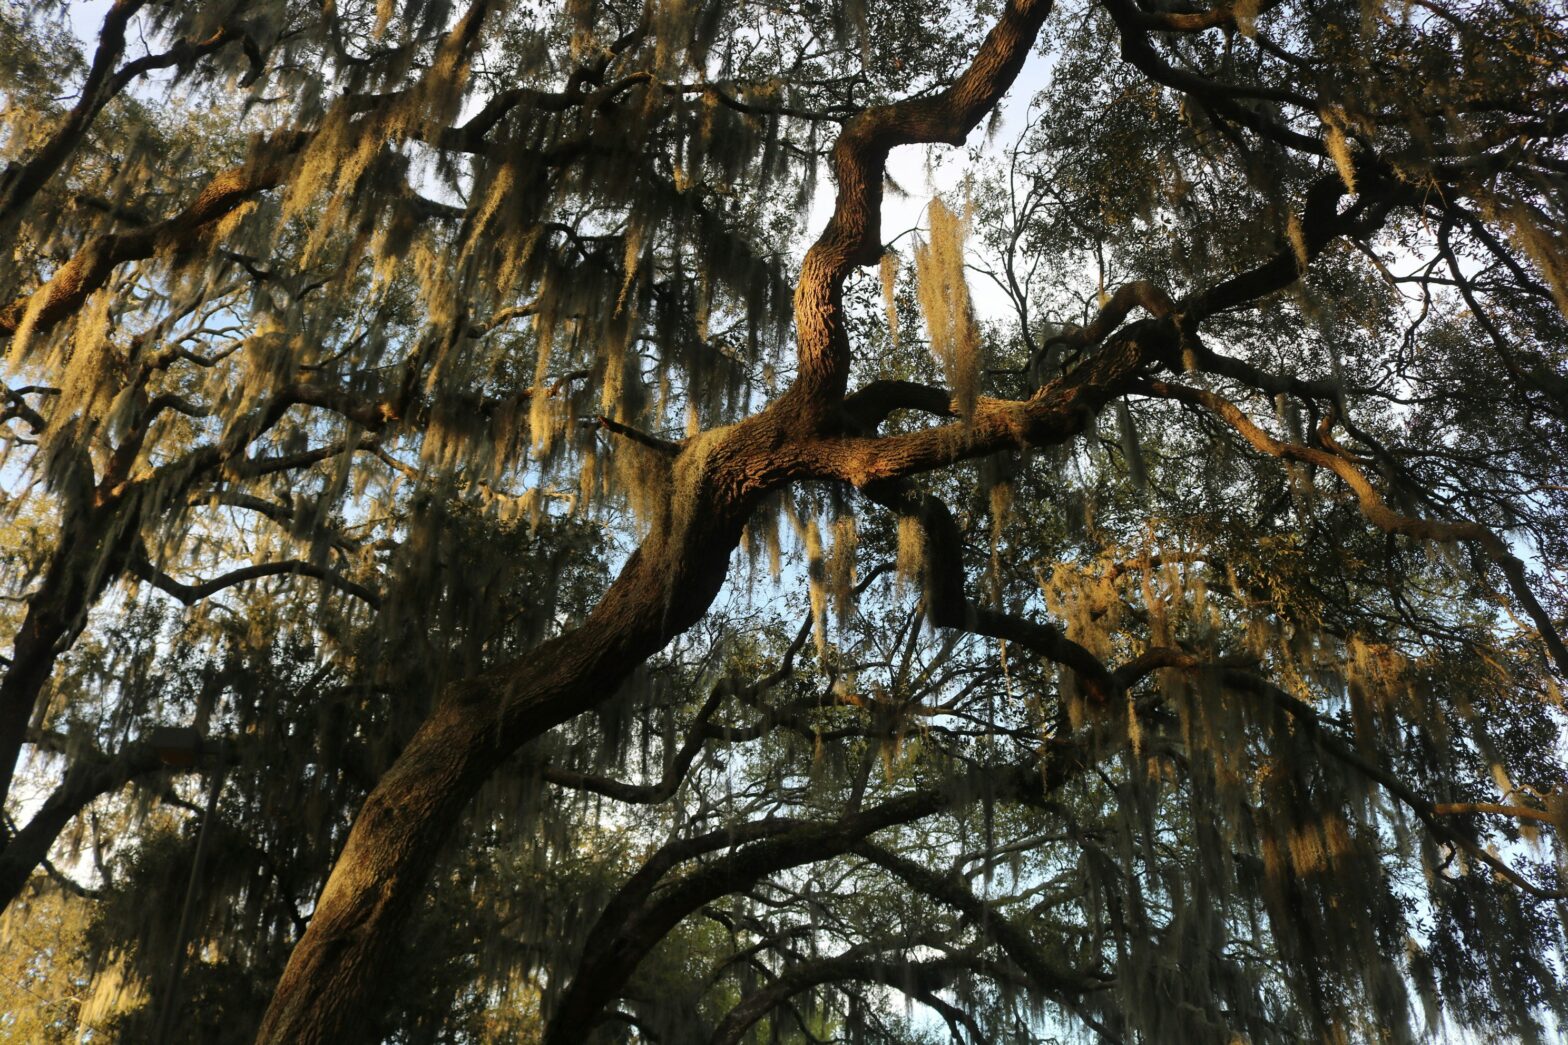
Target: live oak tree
[[1180, 649]]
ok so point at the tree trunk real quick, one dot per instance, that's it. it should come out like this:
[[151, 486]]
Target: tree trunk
[[330, 989], [329, 986]]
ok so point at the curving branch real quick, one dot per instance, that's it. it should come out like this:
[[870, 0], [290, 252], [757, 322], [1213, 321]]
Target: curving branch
[[89, 777], [1057, 412], [1515, 812], [633, 923], [1137, 294], [1429, 813], [1179, 19], [852, 236], [871, 405], [270, 164], [1373, 506], [1321, 223], [948, 607], [646, 794], [20, 182], [1224, 99], [141, 566], [90, 268]]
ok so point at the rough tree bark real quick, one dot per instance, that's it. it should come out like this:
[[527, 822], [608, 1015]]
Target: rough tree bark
[[328, 990]]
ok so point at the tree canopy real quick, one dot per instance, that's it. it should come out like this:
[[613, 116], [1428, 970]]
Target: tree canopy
[[503, 542]]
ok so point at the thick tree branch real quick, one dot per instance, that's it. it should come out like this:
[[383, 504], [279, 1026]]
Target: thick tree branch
[[947, 605], [70, 286], [853, 235], [1223, 98], [1059, 410], [21, 181]]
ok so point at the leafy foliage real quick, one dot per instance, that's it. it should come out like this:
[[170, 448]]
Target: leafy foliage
[[1148, 622]]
